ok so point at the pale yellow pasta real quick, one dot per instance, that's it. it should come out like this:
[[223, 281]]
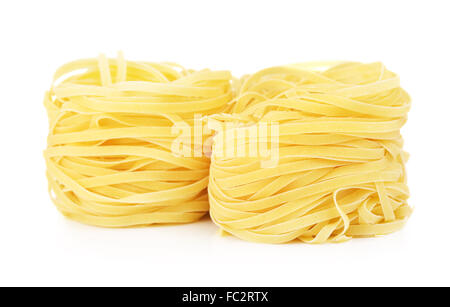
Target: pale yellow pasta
[[341, 167], [109, 156]]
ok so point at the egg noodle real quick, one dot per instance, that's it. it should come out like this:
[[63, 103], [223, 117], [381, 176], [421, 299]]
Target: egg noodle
[[110, 159], [340, 169], [308, 152]]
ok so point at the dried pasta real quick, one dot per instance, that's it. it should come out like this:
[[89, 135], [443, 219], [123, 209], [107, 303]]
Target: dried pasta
[[340, 171], [109, 156]]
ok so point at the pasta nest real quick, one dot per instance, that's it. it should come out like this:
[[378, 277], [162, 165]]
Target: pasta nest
[[110, 158], [340, 167]]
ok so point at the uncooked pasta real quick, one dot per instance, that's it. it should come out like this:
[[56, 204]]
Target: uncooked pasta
[[113, 125], [309, 152], [339, 167]]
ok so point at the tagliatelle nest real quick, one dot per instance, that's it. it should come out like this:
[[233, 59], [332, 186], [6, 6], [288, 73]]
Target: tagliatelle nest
[[110, 159], [339, 170]]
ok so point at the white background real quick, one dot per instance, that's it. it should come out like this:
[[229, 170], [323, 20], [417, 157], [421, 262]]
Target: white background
[[40, 247]]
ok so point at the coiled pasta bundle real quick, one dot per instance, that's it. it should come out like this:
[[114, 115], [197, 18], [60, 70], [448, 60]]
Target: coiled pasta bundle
[[340, 169], [110, 159]]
